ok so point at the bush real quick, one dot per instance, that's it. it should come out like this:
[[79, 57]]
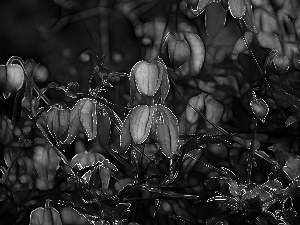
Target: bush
[[204, 128]]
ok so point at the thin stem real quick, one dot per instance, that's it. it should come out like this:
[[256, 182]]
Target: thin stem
[[261, 73], [251, 152]]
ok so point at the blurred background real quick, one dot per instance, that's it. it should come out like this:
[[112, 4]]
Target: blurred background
[[56, 32]]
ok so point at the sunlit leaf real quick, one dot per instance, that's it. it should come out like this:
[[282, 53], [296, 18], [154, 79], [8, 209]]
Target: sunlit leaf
[[259, 108], [11, 79], [237, 8], [47, 215], [140, 122]]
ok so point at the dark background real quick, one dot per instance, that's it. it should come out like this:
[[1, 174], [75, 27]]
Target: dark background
[[27, 30]]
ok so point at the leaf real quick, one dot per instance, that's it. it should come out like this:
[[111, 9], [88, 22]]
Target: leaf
[[193, 66], [200, 7], [195, 103], [45, 216], [240, 46], [259, 108], [11, 79], [105, 176], [292, 168], [290, 120], [269, 40], [104, 127], [266, 157], [74, 123], [283, 94], [178, 49], [115, 119], [58, 122], [281, 63], [248, 17], [274, 185], [140, 122], [213, 111], [237, 8], [125, 139], [167, 131], [165, 85], [147, 77], [46, 163], [85, 159], [215, 19], [291, 216], [88, 118]]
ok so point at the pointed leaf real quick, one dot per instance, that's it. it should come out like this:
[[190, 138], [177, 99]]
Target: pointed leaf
[[105, 176], [88, 118], [114, 118], [292, 168], [74, 123], [58, 122], [281, 93], [125, 139], [266, 157], [248, 17], [167, 131], [200, 7], [104, 127], [215, 19], [140, 122], [165, 86]]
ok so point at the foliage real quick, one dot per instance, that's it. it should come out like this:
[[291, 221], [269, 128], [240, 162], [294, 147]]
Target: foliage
[[210, 134]]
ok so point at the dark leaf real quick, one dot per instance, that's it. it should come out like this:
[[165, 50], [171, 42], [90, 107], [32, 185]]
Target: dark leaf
[[125, 134], [291, 217], [215, 19], [167, 131], [104, 127], [248, 17], [292, 168]]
